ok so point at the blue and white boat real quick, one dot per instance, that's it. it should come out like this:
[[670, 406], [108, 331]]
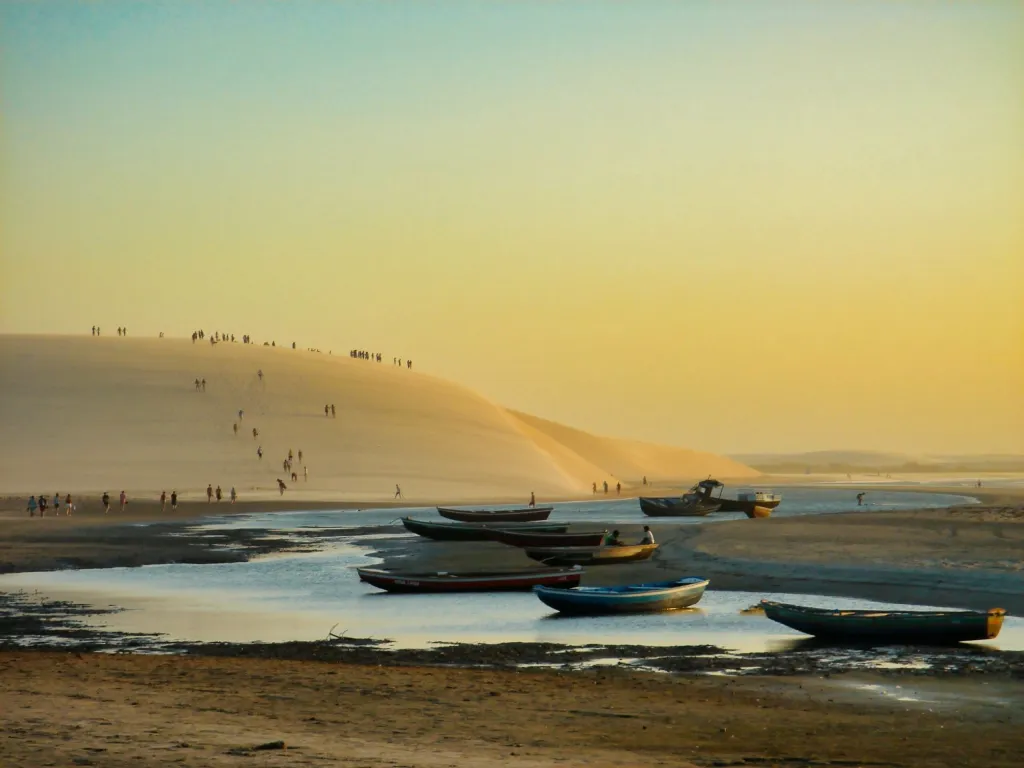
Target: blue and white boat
[[632, 598]]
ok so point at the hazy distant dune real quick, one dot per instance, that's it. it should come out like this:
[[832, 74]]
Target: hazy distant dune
[[631, 460], [85, 414]]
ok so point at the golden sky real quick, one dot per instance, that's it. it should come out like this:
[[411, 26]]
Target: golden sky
[[733, 226]]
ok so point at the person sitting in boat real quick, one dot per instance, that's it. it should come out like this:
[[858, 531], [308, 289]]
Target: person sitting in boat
[[648, 537], [612, 540]]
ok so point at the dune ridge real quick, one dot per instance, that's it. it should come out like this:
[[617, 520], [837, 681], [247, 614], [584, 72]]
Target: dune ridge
[[87, 415]]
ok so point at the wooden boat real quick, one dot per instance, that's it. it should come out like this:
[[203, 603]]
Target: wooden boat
[[522, 538], [618, 553], [632, 598], [751, 503], [495, 581], [475, 531], [901, 627], [529, 514], [689, 505]]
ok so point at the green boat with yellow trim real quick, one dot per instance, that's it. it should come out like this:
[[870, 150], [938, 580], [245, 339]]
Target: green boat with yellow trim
[[896, 627]]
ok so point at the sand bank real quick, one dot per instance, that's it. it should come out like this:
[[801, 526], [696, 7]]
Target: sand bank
[[130, 710]]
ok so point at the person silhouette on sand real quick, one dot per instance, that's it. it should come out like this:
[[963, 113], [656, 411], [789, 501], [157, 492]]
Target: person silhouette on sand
[[333, 412], [533, 500], [174, 500], [281, 486], [219, 494], [209, 494], [606, 486], [32, 499], [123, 500], [163, 500], [235, 427], [618, 489], [259, 452], [106, 502], [398, 491], [234, 495]]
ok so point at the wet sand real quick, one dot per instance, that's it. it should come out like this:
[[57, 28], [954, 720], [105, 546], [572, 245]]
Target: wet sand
[[121, 710]]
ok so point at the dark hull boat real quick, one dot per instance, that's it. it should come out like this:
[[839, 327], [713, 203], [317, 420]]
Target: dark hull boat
[[633, 598], [609, 555], [475, 531], [497, 581], [522, 538], [530, 514], [899, 627], [677, 506]]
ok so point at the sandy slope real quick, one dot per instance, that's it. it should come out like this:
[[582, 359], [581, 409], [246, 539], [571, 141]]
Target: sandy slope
[[85, 414]]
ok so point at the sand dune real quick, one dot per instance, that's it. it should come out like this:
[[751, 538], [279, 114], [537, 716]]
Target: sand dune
[[85, 414]]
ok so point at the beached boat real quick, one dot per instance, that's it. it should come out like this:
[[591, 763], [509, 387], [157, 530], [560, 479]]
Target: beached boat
[[609, 555], [530, 514], [901, 627], [632, 598], [492, 581], [475, 531], [752, 503], [689, 505], [522, 538]]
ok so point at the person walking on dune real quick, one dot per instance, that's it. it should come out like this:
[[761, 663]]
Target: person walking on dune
[[209, 494], [305, 474], [32, 506], [163, 501], [255, 433], [106, 502], [333, 412], [259, 452], [235, 427], [300, 455], [281, 486], [327, 411], [174, 501], [204, 385], [260, 374], [398, 491], [197, 385], [240, 413]]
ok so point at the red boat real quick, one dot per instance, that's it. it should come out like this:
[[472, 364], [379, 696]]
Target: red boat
[[528, 515], [541, 539], [494, 581]]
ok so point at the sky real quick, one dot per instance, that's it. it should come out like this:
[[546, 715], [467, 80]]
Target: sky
[[733, 226]]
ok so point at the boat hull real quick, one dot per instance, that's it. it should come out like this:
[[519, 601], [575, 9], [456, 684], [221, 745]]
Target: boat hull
[[640, 598], [474, 532], [677, 507], [749, 508], [520, 538], [895, 627], [611, 555], [498, 516], [469, 582]]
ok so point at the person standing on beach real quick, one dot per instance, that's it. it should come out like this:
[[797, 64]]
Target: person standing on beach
[[174, 501], [235, 427], [606, 486], [305, 474], [300, 455], [260, 374], [163, 500], [618, 489], [218, 494], [327, 411], [93, 333], [255, 433], [234, 495], [259, 452], [32, 499], [204, 385], [209, 494], [68, 506], [645, 479], [56, 504], [290, 455], [106, 502], [42, 505], [124, 500], [197, 385], [281, 486], [398, 491], [333, 412], [240, 413], [533, 500]]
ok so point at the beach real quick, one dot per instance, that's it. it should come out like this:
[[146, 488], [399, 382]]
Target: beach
[[475, 704]]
